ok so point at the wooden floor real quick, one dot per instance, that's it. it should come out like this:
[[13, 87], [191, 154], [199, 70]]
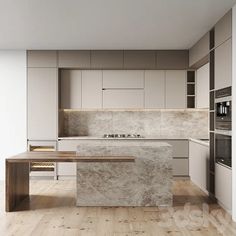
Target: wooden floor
[[53, 213]]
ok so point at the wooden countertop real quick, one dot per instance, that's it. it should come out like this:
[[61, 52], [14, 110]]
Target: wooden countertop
[[57, 156]]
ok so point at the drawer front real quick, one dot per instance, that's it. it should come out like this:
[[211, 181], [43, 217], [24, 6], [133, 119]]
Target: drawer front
[[180, 147], [67, 169], [180, 167]]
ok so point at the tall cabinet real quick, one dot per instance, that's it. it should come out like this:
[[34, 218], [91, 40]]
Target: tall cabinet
[[42, 95]]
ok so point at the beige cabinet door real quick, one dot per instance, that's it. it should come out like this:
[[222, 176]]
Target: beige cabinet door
[[107, 59], [175, 89], [67, 169], [70, 89], [223, 29], [223, 186], [139, 59], [223, 65], [123, 98], [91, 89], [42, 58], [74, 59], [154, 89], [132, 79], [42, 103]]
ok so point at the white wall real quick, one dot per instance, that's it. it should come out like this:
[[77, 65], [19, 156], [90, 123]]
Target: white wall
[[234, 115], [12, 104], [202, 87]]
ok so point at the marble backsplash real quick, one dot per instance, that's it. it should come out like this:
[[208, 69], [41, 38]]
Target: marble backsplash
[[186, 122]]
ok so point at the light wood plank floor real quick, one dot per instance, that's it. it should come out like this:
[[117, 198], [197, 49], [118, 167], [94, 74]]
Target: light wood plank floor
[[53, 212]]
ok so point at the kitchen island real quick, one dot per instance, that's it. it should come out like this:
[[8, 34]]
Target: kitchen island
[[145, 182]]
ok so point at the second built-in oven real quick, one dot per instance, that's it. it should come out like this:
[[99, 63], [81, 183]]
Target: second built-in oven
[[223, 145]]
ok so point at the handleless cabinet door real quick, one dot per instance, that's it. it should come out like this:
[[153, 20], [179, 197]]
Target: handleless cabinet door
[[91, 89], [223, 65], [155, 89], [223, 29], [139, 59], [123, 98], [70, 89], [42, 58], [42, 103], [74, 59], [175, 89], [132, 79]]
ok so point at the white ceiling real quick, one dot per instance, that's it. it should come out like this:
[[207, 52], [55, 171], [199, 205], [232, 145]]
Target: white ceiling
[[107, 24]]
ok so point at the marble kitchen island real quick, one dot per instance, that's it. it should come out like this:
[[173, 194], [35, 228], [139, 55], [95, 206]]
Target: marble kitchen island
[[145, 182]]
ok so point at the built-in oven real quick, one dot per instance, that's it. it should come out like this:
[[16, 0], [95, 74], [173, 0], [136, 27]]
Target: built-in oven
[[223, 145], [223, 107]]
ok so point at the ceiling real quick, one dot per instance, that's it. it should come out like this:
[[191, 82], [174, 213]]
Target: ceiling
[[107, 24]]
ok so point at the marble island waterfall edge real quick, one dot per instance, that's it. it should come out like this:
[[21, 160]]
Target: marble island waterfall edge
[[145, 182]]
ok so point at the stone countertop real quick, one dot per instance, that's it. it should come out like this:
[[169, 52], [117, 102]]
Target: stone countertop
[[157, 137], [204, 142]]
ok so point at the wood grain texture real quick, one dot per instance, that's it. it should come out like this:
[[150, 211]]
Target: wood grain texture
[[17, 184], [52, 211], [67, 156]]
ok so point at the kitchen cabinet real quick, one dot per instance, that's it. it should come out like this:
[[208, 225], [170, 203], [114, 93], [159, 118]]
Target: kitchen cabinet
[[131, 79], [202, 87], [223, 65], [66, 169], [154, 89], [180, 163], [172, 59], [42, 103], [175, 89], [74, 59], [223, 186], [91, 89], [139, 59], [70, 89], [223, 29], [107, 59], [123, 98], [180, 167], [42, 58], [199, 51], [199, 164]]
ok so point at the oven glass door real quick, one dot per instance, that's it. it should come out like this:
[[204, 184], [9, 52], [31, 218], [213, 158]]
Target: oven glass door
[[223, 145]]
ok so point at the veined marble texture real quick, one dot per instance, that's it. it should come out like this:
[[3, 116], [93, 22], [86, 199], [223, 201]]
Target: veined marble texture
[[145, 182], [189, 123]]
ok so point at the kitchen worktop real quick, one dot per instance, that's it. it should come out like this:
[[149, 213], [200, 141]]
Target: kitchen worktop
[[204, 142], [157, 137]]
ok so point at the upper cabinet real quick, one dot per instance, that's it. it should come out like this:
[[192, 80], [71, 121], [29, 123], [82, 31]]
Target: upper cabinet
[[91, 89], [202, 87], [172, 59], [139, 59], [175, 89], [123, 79], [70, 89], [42, 103], [42, 58], [223, 29], [154, 89], [123, 98], [74, 59], [223, 65], [107, 59], [198, 54]]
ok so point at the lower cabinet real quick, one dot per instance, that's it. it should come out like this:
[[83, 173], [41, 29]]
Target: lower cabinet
[[198, 164], [223, 186], [180, 167], [66, 169]]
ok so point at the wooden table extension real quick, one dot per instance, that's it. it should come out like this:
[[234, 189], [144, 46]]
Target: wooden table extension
[[18, 170]]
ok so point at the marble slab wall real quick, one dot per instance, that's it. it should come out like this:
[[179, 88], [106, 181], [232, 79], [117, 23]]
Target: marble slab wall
[[190, 123]]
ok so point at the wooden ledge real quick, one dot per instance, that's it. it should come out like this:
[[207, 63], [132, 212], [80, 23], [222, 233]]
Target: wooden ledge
[[65, 157]]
